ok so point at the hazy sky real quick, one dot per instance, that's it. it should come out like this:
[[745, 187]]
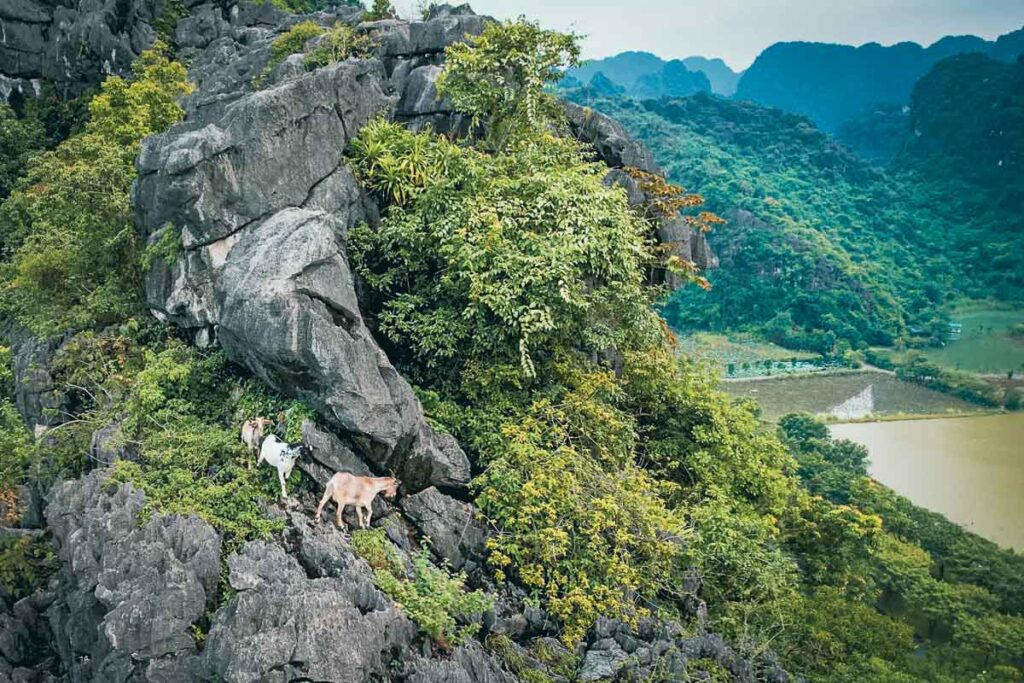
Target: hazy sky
[[737, 30]]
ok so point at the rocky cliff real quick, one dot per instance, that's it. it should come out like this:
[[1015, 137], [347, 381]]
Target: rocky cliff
[[254, 182]]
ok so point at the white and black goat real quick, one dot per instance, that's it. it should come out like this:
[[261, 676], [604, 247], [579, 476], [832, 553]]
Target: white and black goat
[[282, 455]]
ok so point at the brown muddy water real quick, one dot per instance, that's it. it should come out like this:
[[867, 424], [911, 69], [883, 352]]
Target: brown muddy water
[[970, 469]]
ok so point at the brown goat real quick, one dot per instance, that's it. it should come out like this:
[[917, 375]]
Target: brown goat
[[351, 489], [253, 432]]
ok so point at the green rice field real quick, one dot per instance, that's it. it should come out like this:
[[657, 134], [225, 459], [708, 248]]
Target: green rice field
[[986, 345]]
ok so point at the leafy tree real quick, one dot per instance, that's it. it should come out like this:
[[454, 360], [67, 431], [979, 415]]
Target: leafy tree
[[20, 139], [340, 42], [498, 260], [381, 9], [499, 77], [68, 226]]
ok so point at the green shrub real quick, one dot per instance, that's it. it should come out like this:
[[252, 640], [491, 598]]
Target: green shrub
[[174, 11], [339, 43], [69, 224], [20, 139], [381, 9], [432, 596], [1014, 399], [582, 526], [26, 563], [166, 246], [190, 458], [16, 445], [256, 401], [291, 42], [491, 261], [498, 78]]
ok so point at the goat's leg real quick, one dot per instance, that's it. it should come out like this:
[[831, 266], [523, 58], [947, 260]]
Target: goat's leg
[[337, 513], [369, 516], [323, 501], [280, 477]]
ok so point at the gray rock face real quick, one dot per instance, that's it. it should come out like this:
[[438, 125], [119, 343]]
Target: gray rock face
[[74, 44], [128, 595], [36, 395], [602, 661], [451, 525], [108, 445], [659, 648], [24, 639], [470, 663], [330, 455], [609, 139], [285, 624]]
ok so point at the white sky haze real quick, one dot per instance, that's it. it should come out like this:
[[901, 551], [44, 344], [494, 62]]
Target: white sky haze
[[737, 30]]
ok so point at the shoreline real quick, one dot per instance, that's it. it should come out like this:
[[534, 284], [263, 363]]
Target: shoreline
[[865, 369], [911, 417]]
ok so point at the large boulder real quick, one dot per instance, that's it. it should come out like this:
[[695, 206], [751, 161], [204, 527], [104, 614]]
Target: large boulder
[[455, 534], [262, 198], [128, 595]]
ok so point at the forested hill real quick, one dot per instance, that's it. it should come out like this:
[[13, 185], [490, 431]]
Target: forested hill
[[818, 245], [967, 123], [833, 84]]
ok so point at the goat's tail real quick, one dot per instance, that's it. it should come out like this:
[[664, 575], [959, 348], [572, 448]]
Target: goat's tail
[[328, 490]]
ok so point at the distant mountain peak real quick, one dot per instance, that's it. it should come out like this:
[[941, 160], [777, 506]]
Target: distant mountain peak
[[834, 84]]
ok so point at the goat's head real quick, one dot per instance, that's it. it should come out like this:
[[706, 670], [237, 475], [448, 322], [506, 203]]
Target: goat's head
[[391, 488], [301, 450], [261, 424]]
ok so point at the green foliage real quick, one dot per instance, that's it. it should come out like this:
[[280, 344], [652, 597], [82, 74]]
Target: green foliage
[[305, 6], [291, 42], [20, 139], [68, 226], [174, 11], [954, 139], [819, 248], [26, 564], [16, 445], [562, 664], [6, 372], [499, 78], [495, 261], [940, 580], [431, 596], [257, 401], [176, 411], [165, 245], [878, 133], [337, 44], [583, 526], [191, 460], [381, 9]]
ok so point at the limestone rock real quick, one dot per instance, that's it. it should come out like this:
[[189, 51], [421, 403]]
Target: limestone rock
[[287, 625], [128, 595], [451, 525]]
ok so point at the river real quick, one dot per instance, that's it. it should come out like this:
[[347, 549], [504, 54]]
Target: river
[[971, 469]]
